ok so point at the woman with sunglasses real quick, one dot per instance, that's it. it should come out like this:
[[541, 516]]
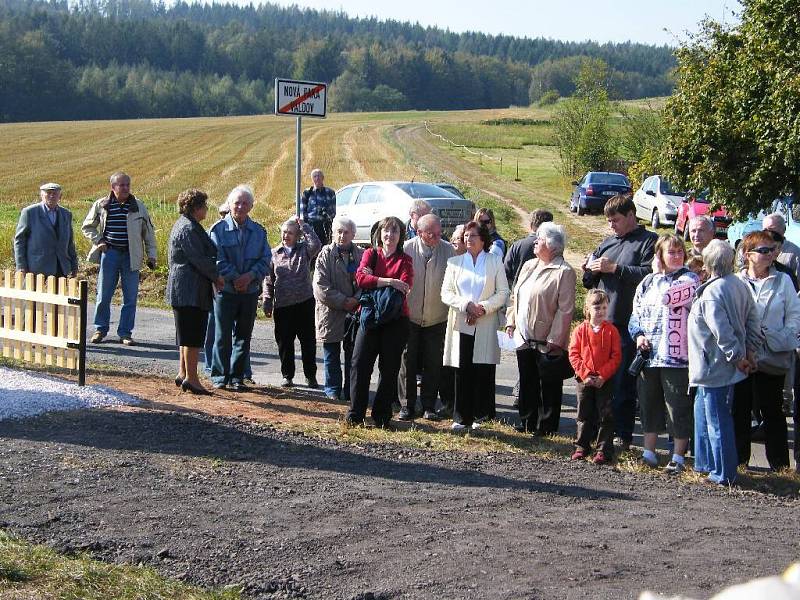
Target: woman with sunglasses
[[778, 310], [485, 218]]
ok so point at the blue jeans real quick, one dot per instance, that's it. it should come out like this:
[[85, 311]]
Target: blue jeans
[[232, 313], [115, 266], [208, 349], [623, 401], [714, 439], [332, 365]]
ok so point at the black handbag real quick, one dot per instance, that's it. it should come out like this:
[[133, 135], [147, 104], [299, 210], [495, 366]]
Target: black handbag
[[554, 367]]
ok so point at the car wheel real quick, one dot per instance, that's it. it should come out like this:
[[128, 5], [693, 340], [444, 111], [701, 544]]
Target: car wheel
[[581, 211], [655, 221], [571, 205]]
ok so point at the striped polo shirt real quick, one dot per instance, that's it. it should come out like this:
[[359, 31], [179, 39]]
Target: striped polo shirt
[[116, 232]]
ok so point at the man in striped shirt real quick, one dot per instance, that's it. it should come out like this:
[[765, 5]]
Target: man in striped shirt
[[121, 232]]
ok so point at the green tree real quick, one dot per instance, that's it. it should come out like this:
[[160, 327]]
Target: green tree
[[733, 124], [581, 123]]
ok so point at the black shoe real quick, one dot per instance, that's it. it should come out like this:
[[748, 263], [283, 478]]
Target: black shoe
[[188, 387], [178, 381], [385, 425], [430, 415], [445, 412], [405, 414], [238, 386]]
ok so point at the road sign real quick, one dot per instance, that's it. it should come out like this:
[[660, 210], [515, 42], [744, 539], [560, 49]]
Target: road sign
[[300, 98]]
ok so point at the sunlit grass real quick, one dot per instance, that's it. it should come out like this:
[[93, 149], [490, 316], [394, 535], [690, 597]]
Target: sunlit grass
[[33, 571]]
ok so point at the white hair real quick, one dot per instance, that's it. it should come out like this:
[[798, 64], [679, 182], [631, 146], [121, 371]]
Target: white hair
[[344, 222], [290, 223], [315, 171], [242, 188], [780, 222], [553, 235], [426, 220], [420, 207], [705, 220], [718, 258]]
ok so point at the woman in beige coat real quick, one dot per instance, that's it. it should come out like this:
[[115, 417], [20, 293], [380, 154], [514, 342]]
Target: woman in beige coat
[[475, 289], [539, 317]]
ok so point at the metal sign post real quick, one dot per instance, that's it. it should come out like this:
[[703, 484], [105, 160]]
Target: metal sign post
[[300, 99]]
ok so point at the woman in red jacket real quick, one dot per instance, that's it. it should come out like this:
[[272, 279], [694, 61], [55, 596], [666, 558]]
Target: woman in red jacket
[[381, 266], [595, 353]]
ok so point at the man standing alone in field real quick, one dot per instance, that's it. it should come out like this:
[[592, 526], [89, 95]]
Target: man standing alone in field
[[121, 232], [318, 206], [43, 242]]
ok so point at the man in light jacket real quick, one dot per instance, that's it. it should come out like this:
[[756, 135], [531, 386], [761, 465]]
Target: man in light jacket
[[43, 242], [428, 316], [121, 232]]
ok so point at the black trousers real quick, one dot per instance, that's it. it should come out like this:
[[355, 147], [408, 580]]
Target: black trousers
[[539, 400], [386, 343], [296, 321], [595, 418], [769, 391], [447, 387], [424, 353], [323, 230], [474, 387]]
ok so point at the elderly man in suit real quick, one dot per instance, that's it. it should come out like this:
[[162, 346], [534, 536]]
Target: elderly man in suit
[[43, 242]]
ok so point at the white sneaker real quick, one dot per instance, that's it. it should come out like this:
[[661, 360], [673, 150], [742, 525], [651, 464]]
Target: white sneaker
[[457, 427], [477, 425]]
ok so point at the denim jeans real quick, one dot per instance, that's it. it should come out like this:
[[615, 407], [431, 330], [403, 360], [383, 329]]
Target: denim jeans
[[232, 313], [714, 441], [332, 365], [208, 349], [115, 266], [624, 398]]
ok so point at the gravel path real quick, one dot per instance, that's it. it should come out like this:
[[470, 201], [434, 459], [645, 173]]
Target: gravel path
[[24, 394]]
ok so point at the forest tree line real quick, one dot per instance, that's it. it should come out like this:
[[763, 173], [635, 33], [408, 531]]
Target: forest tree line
[[103, 59]]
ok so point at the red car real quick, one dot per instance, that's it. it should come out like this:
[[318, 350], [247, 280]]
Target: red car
[[695, 205]]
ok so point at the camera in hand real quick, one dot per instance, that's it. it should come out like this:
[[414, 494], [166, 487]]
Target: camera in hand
[[638, 362]]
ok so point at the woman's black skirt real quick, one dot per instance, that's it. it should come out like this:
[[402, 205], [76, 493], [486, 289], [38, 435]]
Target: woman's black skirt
[[190, 326]]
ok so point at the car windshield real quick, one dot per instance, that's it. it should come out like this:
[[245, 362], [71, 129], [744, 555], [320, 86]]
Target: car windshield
[[425, 190], [702, 197], [668, 190], [608, 178]]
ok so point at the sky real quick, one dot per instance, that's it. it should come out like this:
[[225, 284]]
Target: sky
[[647, 21]]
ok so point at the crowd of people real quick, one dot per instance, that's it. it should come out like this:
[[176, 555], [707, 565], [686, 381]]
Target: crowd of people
[[702, 349]]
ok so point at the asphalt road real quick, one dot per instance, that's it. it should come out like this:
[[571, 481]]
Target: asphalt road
[[156, 353]]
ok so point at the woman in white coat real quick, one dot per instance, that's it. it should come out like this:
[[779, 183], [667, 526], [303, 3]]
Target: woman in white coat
[[475, 288]]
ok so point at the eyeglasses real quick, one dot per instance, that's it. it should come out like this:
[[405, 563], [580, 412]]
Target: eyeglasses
[[777, 237], [763, 250]]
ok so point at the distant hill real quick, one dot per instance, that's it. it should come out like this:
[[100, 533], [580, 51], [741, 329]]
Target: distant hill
[[104, 59]]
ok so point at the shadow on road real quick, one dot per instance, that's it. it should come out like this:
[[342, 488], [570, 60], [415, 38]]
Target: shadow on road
[[192, 435]]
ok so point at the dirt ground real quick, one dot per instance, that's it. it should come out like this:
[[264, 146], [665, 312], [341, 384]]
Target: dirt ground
[[212, 493]]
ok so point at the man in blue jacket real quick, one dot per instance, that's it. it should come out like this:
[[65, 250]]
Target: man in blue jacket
[[243, 257], [43, 242]]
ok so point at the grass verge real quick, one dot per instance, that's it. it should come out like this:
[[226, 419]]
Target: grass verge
[[33, 571]]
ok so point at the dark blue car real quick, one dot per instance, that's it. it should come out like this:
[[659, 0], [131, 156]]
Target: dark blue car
[[593, 191]]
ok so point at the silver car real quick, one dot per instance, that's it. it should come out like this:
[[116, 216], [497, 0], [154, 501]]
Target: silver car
[[369, 202], [657, 202]]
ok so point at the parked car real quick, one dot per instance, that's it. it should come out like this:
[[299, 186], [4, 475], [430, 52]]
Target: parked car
[[656, 201], [785, 206], [695, 205], [593, 191], [366, 203]]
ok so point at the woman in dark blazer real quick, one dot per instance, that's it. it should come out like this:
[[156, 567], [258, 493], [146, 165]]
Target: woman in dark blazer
[[192, 273]]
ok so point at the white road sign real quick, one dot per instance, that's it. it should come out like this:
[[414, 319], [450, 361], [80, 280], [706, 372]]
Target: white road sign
[[300, 98]]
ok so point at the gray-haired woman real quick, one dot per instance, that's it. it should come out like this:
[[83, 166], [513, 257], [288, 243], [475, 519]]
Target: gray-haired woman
[[289, 298], [724, 335], [336, 293], [539, 315]]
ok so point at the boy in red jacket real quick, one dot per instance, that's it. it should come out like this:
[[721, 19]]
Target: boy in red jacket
[[595, 353]]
